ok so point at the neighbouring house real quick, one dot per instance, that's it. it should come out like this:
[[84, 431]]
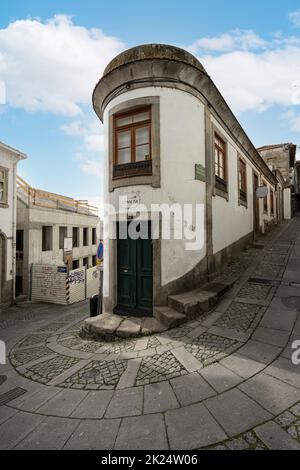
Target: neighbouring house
[[44, 221], [282, 157], [171, 138], [9, 159]]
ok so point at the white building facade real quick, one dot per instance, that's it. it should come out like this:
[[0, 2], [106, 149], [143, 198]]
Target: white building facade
[[172, 139], [9, 159], [44, 221]]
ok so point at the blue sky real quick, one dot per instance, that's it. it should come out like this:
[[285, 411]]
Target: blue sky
[[53, 52]]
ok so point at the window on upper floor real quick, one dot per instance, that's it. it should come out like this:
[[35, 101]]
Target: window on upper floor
[[132, 143], [47, 237], [3, 186], [75, 234], [94, 236], [85, 236], [242, 180], [62, 235], [220, 154]]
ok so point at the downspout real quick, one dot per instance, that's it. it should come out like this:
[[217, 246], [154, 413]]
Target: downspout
[[14, 234]]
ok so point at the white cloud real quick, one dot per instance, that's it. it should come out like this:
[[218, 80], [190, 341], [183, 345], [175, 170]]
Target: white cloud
[[234, 40], [54, 65], [255, 81], [293, 119], [91, 131], [294, 17]]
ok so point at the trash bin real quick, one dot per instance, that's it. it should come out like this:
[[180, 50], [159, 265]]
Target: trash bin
[[94, 305]]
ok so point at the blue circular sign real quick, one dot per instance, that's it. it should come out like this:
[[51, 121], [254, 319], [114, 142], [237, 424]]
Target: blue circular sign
[[100, 251]]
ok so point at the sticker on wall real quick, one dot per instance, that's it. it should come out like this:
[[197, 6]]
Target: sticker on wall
[[200, 174]]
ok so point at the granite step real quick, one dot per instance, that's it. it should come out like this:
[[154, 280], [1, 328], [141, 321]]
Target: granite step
[[108, 326], [198, 301], [169, 317]]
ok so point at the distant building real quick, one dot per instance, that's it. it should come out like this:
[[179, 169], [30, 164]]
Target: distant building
[[282, 157], [9, 159], [44, 221]]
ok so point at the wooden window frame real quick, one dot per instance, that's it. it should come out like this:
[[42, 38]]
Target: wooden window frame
[[132, 168], [242, 182], [221, 185], [4, 201]]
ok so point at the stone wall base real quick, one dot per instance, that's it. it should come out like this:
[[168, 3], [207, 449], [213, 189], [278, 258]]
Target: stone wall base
[[7, 292]]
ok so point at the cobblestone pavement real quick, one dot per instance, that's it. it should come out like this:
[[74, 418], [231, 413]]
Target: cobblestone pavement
[[222, 381]]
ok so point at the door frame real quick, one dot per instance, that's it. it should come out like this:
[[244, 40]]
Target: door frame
[[110, 297], [134, 310]]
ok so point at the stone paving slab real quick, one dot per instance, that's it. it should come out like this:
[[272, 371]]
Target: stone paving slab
[[62, 404], [276, 438], [271, 336], [59, 429], [191, 388], [260, 352], [192, 427], [242, 366], [17, 427], [279, 319], [159, 397], [236, 412], [36, 399], [285, 370], [274, 395], [94, 405], [220, 378], [127, 402], [6, 413], [142, 432], [94, 435]]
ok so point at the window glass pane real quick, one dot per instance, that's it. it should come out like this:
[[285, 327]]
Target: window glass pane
[[124, 121], [142, 135], [1, 175], [221, 174], [142, 153], [141, 116], [124, 156], [216, 168], [1, 191], [124, 139]]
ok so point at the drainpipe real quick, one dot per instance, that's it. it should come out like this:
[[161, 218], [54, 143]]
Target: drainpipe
[[14, 234]]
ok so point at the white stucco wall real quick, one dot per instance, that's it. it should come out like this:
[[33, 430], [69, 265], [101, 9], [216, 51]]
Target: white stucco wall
[[8, 214], [182, 144], [287, 211], [232, 221]]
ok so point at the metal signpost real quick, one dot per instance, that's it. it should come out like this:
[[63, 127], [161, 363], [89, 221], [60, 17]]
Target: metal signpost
[[100, 267]]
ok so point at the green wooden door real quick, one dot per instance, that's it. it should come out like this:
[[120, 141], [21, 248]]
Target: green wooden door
[[135, 277]]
